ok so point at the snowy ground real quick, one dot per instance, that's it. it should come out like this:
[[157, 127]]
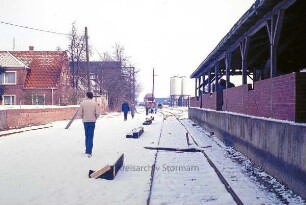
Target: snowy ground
[[48, 166]]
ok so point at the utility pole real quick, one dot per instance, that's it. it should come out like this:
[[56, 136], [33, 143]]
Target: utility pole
[[13, 43], [87, 61]]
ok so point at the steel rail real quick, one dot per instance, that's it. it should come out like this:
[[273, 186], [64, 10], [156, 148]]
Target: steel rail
[[221, 177], [153, 167]]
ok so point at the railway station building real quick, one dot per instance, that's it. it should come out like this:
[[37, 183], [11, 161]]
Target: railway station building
[[264, 114]]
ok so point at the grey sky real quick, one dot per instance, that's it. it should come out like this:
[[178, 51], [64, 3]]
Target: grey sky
[[173, 36]]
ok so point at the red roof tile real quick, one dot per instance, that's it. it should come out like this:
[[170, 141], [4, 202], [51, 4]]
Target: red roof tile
[[45, 67]]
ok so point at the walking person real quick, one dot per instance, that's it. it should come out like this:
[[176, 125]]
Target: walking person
[[147, 106], [125, 109], [89, 111], [133, 109]]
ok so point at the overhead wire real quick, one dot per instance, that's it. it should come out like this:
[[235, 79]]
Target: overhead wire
[[35, 29], [48, 31], [96, 50]]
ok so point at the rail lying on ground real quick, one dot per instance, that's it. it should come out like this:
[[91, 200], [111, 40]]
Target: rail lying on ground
[[26, 129]]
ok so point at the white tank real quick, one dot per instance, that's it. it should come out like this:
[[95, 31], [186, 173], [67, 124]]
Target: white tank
[[185, 86], [175, 86], [171, 85]]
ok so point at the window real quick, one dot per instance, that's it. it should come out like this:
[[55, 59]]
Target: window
[[8, 77], [93, 76], [38, 99], [9, 100]]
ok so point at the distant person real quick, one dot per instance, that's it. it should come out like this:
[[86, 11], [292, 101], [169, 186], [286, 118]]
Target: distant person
[[125, 109], [222, 85], [147, 108], [89, 111], [152, 108], [133, 109]]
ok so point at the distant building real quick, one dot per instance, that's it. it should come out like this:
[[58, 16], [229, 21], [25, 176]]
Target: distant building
[[265, 50], [163, 101], [104, 77]]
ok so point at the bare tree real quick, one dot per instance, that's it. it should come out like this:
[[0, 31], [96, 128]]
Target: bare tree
[[106, 57], [77, 54], [117, 82], [113, 77], [119, 54], [126, 85]]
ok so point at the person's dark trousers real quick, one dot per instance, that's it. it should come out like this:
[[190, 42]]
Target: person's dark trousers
[[147, 111], [89, 135], [125, 115]]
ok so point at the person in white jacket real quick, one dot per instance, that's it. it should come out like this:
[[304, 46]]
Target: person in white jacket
[[89, 111]]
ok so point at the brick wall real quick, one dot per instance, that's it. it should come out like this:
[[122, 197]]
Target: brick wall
[[277, 147], [233, 99], [17, 118], [16, 90], [301, 97], [212, 101], [282, 97], [61, 95], [194, 102]]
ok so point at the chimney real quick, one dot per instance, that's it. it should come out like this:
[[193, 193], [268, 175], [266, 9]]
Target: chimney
[[31, 48]]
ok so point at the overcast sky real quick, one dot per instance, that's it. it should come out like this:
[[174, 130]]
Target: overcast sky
[[171, 36]]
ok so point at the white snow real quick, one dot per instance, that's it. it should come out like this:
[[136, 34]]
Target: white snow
[[48, 166], [256, 117], [189, 177]]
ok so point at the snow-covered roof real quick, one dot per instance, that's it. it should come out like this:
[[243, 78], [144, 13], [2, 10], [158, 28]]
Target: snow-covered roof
[[9, 61]]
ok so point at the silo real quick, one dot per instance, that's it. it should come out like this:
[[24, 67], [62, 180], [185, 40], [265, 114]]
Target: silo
[[177, 86], [184, 86], [171, 86], [185, 92], [175, 89]]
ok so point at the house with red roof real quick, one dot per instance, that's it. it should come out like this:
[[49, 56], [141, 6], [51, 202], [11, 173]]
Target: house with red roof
[[35, 78]]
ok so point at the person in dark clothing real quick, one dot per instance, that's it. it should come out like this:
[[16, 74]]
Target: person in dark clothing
[[125, 109], [147, 106]]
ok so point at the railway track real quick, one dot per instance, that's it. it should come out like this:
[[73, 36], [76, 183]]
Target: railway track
[[25, 129], [190, 140]]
